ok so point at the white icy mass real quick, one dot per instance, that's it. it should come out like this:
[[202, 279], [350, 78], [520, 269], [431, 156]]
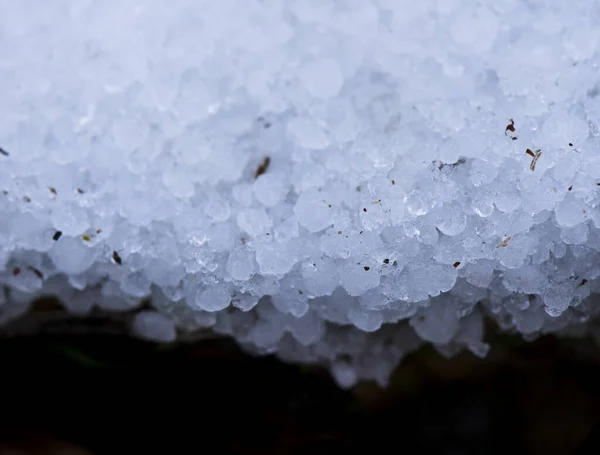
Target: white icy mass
[[336, 182]]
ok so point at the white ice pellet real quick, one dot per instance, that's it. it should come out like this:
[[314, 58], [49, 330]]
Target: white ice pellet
[[71, 220], [358, 278], [154, 326], [270, 189], [307, 133], [321, 77], [307, 329], [72, 256], [217, 208], [366, 320], [211, 298], [571, 211], [275, 259], [482, 172], [312, 211], [240, 264], [255, 222]]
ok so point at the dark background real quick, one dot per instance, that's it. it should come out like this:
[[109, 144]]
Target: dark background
[[107, 394]]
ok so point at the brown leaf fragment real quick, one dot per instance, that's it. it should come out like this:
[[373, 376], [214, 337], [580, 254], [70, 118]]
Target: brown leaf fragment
[[536, 156], [510, 131], [117, 258], [504, 243], [37, 272], [264, 166]]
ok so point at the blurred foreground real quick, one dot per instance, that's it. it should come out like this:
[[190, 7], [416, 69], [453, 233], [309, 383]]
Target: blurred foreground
[[107, 394]]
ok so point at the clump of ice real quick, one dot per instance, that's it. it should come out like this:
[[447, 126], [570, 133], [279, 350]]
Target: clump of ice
[[335, 182]]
